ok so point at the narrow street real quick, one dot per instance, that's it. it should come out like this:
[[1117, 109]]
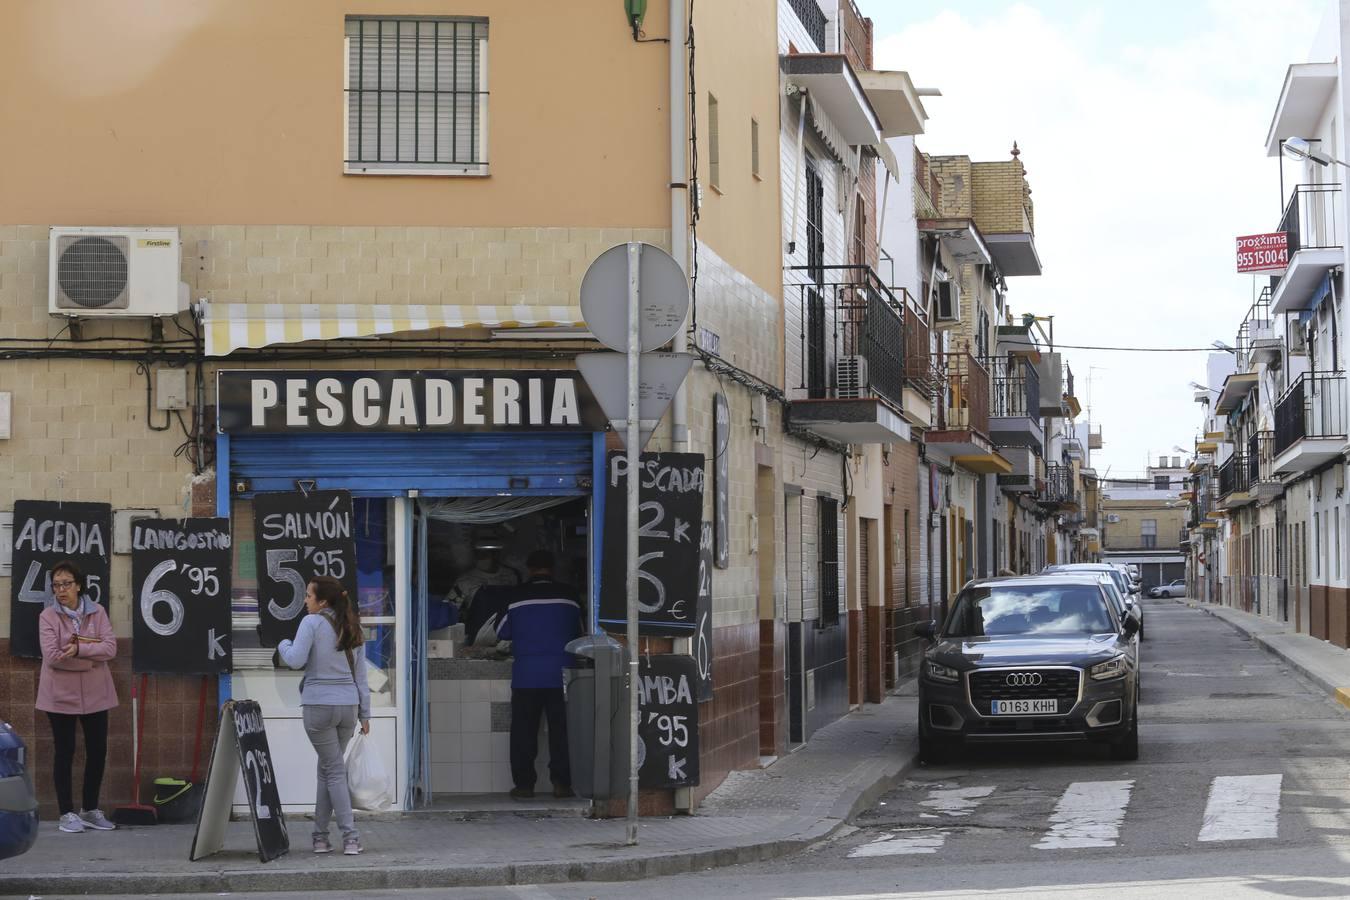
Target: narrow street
[[1241, 790]]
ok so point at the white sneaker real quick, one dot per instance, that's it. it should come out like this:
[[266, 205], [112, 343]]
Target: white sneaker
[[94, 818], [71, 824]]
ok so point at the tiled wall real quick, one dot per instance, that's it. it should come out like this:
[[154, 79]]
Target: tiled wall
[[471, 733]]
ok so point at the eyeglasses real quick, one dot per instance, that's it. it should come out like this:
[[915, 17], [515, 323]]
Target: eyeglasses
[[61, 585]]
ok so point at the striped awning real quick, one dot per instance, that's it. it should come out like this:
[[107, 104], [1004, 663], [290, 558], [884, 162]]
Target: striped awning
[[232, 326]]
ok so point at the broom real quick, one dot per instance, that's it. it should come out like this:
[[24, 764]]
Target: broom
[[135, 813]]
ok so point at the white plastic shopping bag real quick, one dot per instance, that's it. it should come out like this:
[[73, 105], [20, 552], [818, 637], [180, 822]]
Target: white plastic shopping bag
[[367, 778]]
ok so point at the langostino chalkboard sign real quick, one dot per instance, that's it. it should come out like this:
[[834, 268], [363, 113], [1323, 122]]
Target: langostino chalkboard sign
[[299, 536], [721, 479], [180, 596], [45, 533], [667, 722], [670, 514], [241, 751], [703, 645]]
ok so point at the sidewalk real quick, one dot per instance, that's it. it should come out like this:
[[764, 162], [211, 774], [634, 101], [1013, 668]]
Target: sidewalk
[[754, 815], [1322, 663]]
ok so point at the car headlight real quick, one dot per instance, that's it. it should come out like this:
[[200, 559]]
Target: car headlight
[[939, 672], [1112, 668]]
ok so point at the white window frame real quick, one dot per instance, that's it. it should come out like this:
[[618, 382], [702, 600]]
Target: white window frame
[[479, 170]]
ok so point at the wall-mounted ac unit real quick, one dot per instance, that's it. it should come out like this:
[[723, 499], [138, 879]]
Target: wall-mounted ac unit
[[850, 374], [948, 312], [111, 272], [1112, 519]]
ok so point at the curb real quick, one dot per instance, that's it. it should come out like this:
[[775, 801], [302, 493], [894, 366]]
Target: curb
[[1337, 693], [650, 864]]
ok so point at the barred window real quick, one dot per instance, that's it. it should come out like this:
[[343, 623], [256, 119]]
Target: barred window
[[416, 95]]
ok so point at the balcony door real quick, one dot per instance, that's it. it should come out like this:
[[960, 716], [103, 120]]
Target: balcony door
[[816, 352]]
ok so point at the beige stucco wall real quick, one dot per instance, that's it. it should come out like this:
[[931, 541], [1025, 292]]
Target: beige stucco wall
[[1124, 535]]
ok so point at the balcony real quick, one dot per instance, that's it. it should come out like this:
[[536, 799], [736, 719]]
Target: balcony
[[921, 379], [851, 357], [961, 432], [1312, 222], [1058, 492], [1235, 389], [1014, 402], [1265, 483], [1258, 341], [1072, 408], [813, 20], [1025, 463], [1310, 422], [1235, 481], [1095, 439]]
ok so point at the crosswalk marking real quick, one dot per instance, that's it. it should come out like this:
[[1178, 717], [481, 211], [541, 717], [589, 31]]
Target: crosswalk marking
[[1088, 814], [1242, 807], [902, 844]]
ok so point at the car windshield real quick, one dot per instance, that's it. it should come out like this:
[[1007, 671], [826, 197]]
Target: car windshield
[[1030, 609]]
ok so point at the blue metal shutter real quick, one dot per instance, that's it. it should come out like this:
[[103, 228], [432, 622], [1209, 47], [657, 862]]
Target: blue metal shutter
[[437, 465]]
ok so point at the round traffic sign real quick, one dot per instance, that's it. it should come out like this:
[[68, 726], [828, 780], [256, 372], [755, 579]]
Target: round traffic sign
[[663, 297]]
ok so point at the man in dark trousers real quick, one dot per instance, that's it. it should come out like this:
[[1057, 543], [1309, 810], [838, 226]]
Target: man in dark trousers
[[542, 617]]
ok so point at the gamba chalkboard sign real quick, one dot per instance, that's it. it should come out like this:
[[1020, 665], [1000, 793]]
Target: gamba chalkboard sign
[[298, 537], [721, 479], [667, 722], [703, 641], [45, 533], [180, 596], [670, 513], [241, 751]]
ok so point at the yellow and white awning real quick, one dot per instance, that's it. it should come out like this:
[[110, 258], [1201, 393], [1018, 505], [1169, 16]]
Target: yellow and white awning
[[232, 326]]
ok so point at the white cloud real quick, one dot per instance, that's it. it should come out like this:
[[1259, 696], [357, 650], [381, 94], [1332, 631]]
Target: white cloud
[[1145, 161]]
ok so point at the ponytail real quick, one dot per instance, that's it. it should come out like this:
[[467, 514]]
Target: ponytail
[[346, 617]]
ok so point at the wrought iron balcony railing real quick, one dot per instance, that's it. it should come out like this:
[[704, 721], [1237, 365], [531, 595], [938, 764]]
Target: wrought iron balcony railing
[[851, 331], [1311, 220], [1258, 326], [1058, 484], [964, 401], [1235, 475], [1313, 407], [813, 19], [1014, 387]]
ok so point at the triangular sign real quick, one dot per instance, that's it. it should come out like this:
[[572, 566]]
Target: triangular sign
[[659, 377]]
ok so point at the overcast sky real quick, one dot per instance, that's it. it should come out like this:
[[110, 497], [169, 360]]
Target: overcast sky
[[1142, 127]]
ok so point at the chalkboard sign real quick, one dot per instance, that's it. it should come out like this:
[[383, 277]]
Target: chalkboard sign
[[670, 496], [45, 533], [180, 596], [667, 722], [721, 478], [703, 646], [241, 750], [299, 536]]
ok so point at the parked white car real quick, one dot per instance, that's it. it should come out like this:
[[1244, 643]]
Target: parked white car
[[1171, 589]]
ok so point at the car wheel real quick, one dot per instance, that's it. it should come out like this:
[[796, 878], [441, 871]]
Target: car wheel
[[932, 752], [1127, 747]]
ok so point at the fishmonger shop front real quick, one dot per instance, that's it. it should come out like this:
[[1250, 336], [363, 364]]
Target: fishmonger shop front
[[455, 477]]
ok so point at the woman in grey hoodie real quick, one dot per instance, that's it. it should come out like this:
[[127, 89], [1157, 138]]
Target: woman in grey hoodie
[[330, 647]]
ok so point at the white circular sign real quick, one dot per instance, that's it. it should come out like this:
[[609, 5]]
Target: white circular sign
[[663, 297]]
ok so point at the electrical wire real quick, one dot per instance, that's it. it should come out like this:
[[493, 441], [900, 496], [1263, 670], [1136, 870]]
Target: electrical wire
[[1141, 349], [694, 207]]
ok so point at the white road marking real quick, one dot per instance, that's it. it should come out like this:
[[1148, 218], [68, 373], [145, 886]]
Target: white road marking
[[901, 844], [955, 801], [1242, 808], [1088, 814]]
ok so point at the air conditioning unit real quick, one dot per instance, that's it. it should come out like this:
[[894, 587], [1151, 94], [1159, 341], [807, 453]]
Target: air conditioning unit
[[850, 377], [109, 272], [1112, 519], [948, 313]]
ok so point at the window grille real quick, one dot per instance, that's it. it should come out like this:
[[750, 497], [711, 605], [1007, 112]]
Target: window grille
[[714, 145], [754, 147], [416, 95], [828, 552]]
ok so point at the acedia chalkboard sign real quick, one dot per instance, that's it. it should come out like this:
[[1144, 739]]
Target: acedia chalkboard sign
[[299, 536], [180, 596], [241, 751], [670, 513], [45, 533], [667, 722]]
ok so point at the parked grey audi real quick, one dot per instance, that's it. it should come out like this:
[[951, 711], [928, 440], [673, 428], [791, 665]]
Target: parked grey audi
[[1030, 658]]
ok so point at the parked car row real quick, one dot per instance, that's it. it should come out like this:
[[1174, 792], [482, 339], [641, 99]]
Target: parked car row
[[1049, 657], [1175, 588], [18, 803]]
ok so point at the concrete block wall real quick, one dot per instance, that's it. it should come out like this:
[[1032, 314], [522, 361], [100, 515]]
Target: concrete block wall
[[1002, 197]]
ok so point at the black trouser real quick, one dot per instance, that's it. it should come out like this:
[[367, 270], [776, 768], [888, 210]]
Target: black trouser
[[526, 706], [95, 754]]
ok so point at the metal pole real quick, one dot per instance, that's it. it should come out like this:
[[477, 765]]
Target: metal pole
[[631, 615]]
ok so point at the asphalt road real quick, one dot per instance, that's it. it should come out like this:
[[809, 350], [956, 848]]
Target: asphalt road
[[1241, 790]]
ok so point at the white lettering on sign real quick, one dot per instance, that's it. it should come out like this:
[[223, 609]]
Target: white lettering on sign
[[659, 477], [326, 394], [565, 407], [473, 401], [440, 402], [664, 690], [143, 538], [365, 397], [296, 400], [322, 525], [264, 398], [214, 648], [505, 401], [69, 538], [402, 409]]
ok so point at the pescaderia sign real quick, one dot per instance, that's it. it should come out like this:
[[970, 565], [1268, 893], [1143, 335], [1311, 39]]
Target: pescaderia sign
[[304, 401]]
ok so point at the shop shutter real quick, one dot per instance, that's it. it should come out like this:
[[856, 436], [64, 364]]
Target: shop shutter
[[437, 465]]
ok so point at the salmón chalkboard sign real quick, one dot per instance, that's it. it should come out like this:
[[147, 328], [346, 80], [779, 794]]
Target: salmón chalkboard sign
[[667, 722], [180, 596], [703, 641], [299, 536], [241, 751], [45, 533], [670, 513]]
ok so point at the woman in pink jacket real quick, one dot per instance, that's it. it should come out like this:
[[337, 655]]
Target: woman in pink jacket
[[75, 686]]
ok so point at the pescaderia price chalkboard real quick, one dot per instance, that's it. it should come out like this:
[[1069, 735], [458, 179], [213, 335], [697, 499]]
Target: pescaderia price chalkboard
[[667, 722], [45, 533], [241, 750], [298, 537], [180, 596], [670, 516], [703, 640]]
